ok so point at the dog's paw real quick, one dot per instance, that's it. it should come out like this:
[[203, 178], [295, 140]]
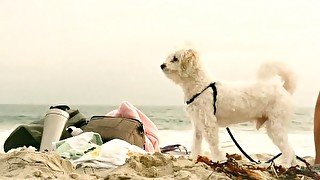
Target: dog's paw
[[288, 162], [218, 157]]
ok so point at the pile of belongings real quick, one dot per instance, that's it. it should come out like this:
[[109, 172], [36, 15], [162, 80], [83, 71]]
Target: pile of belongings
[[101, 142]]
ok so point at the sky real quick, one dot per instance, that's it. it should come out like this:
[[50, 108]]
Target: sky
[[104, 52]]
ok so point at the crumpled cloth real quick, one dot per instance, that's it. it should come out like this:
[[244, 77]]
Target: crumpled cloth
[[75, 147], [127, 110], [110, 155], [88, 150]]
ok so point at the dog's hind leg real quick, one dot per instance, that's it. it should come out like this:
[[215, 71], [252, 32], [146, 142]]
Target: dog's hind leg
[[278, 133]]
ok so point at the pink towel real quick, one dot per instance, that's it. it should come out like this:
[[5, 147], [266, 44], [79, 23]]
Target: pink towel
[[127, 110]]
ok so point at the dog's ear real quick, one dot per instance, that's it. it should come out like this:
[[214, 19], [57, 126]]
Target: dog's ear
[[190, 54], [185, 63], [189, 58]]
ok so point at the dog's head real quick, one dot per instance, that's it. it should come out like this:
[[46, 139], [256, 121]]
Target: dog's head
[[181, 65]]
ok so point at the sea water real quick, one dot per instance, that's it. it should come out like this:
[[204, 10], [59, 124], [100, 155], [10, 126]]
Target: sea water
[[175, 127]]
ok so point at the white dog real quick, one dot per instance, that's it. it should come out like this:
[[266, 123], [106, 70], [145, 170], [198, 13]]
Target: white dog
[[266, 101]]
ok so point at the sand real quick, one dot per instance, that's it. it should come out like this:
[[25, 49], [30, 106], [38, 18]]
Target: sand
[[29, 164], [26, 164]]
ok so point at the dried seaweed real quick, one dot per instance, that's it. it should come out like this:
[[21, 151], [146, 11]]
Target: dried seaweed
[[234, 156], [294, 171], [231, 168], [235, 170]]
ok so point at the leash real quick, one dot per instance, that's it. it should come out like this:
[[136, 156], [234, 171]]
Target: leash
[[239, 147], [252, 160]]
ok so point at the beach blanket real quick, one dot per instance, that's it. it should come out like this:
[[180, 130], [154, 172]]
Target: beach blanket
[[127, 110]]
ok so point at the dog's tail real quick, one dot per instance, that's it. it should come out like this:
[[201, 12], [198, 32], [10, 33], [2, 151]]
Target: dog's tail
[[271, 69]]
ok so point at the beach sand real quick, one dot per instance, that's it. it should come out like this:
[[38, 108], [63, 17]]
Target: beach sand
[[29, 164]]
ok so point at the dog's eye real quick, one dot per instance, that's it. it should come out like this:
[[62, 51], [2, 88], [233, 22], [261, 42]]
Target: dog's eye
[[175, 59]]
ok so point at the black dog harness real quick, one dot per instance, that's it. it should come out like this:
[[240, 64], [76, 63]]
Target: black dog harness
[[215, 93], [214, 89]]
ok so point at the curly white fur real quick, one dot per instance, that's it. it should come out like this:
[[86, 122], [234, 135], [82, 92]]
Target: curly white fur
[[267, 101]]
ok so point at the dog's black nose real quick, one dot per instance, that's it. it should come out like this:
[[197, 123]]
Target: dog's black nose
[[163, 66]]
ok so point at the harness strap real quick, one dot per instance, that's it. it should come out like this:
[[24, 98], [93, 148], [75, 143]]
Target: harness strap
[[215, 93]]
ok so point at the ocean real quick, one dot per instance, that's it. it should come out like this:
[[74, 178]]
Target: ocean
[[165, 117], [174, 126]]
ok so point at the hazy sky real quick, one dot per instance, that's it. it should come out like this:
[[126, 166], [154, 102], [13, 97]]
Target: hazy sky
[[104, 52]]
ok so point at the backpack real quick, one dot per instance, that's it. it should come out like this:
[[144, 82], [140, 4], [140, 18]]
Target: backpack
[[31, 134], [127, 129]]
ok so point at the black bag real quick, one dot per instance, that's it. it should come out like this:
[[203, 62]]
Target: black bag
[[30, 135], [130, 130]]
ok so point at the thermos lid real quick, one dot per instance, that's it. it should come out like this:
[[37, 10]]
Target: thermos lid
[[62, 107]]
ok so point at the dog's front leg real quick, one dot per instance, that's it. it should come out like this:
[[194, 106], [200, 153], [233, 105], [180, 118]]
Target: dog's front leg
[[196, 148], [211, 133]]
